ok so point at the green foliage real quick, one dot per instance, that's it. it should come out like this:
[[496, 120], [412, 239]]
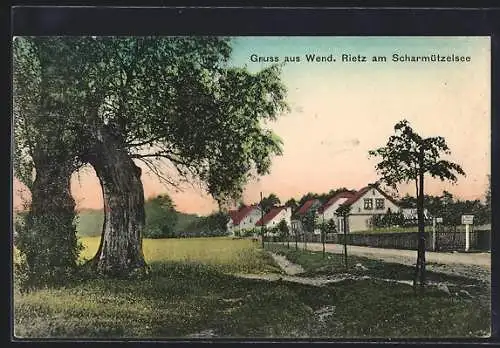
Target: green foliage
[[283, 229], [328, 227], [306, 197], [389, 219], [292, 203], [323, 197], [487, 201], [212, 225], [168, 99], [343, 210], [161, 217], [171, 99], [310, 220], [450, 209], [183, 298], [48, 251], [269, 202], [250, 232], [400, 157], [90, 222]]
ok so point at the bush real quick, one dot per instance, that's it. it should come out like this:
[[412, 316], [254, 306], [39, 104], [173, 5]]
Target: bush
[[48, 249], [161, 217]]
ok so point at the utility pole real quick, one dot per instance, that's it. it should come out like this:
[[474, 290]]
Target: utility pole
[[262, 221], [344, 223], [323, 234]]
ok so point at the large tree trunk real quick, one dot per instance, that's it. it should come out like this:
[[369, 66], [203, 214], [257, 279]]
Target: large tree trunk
[[120, 251], [49, 240]]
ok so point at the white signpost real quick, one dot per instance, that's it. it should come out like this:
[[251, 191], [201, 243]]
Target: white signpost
[[467, 220], [436, 220]]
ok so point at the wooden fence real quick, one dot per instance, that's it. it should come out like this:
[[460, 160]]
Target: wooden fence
[[445, 240]]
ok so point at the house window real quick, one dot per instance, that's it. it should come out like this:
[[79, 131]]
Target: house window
[[380, 203], [368, 203]]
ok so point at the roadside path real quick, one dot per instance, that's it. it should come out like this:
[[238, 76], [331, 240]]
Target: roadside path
[[407, 257], [471, 265]]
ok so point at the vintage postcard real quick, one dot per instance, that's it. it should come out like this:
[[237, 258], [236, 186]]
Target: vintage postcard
[[251, 187]]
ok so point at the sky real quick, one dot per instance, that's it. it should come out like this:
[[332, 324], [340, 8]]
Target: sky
[[341, 110]]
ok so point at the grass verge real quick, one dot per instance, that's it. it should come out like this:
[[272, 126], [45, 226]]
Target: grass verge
[[183, 297]]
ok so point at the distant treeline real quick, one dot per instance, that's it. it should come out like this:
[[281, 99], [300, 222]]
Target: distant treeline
[[162, 221]]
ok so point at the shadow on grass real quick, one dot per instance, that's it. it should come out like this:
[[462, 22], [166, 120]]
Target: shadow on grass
[[180, 299]]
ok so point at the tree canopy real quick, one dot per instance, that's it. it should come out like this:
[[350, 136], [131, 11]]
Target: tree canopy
[[174, 100], [269, 202], [409, 157], [400, 157], [173, 103]]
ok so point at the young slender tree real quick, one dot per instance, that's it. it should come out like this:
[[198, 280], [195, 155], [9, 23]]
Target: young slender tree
[[408, 157], [326, 228], [309, 221], [284, 231], [343, 211]]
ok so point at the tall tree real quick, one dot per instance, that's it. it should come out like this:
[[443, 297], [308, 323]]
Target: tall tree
[[269, 202], [306, 197], [487, 201], [292, 204], [284, 231], [409, 157], [43, 161], [168, 102], [161, 217], [408, 201]]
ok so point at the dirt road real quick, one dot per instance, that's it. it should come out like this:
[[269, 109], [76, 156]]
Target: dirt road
[[473, 265], [407, 256]]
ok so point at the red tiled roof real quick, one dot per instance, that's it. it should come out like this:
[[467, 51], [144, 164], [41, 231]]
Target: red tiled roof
[[238, 215], [269, 216], [233, 214], [306, 206], [331, 201], [364, 190]]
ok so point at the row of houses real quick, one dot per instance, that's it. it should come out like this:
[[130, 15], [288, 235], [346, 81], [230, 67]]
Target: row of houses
[[364, 203]]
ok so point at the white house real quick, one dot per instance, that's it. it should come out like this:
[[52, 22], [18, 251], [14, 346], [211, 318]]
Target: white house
[[274, 216], [328, 210], [366, 203], [244, 218]]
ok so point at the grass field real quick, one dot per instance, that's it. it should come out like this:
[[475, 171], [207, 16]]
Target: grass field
[[226, 254], [192, 289]]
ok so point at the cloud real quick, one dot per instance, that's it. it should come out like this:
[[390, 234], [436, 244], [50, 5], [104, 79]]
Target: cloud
[[299, 109]]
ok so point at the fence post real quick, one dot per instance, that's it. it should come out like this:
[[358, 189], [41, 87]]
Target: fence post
[[433, 234], [467, 237]]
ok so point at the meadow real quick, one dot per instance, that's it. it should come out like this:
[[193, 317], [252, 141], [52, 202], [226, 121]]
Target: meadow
[[224, 253], [193, 290]]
